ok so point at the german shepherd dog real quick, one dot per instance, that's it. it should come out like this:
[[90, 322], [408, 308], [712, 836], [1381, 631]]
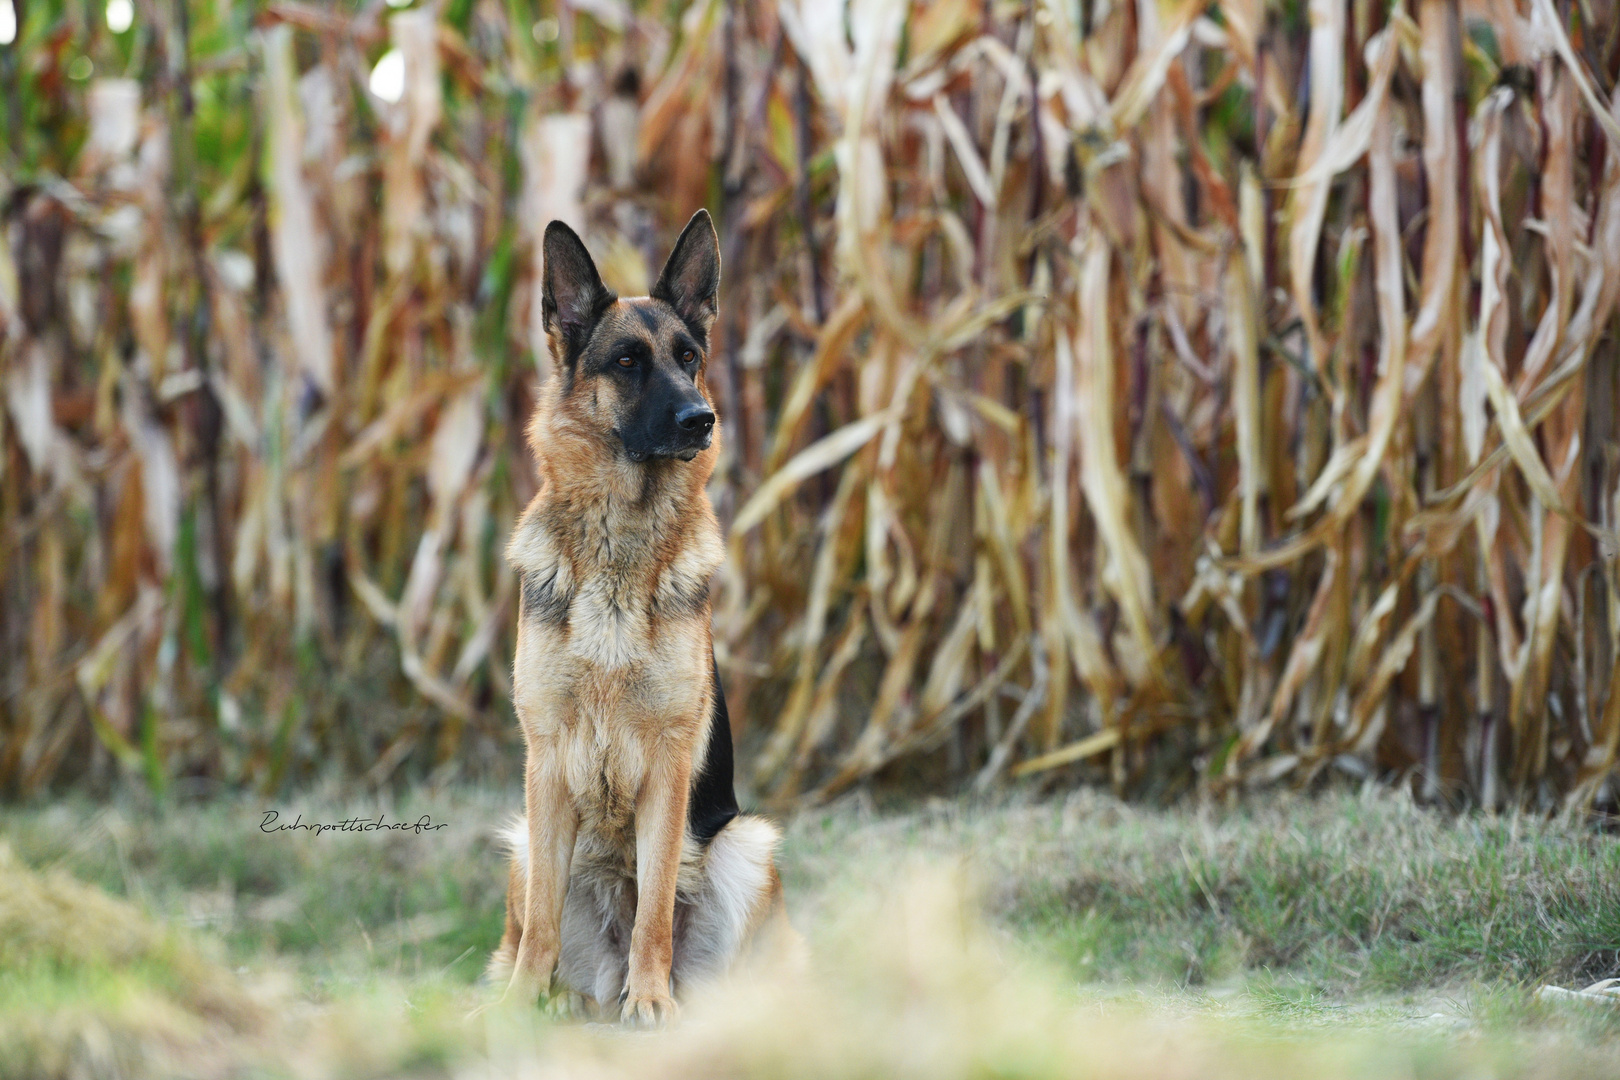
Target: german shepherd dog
[[632, 874]]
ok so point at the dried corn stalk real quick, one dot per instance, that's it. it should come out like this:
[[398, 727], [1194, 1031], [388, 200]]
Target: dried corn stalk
[[1174, 396]]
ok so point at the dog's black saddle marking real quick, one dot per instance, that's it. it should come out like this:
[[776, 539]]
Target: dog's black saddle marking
[[714, 796]]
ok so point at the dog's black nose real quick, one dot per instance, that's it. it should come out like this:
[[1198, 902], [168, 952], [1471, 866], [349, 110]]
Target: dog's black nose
[[694, 417]]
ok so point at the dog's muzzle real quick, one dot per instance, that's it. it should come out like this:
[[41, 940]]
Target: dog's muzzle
[[695, 422], [688, 434]]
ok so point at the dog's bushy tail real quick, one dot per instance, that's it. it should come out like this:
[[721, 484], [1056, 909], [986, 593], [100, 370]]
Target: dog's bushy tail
[[739, 915]]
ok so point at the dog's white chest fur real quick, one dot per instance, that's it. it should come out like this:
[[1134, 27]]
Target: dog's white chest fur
[[607, 624]]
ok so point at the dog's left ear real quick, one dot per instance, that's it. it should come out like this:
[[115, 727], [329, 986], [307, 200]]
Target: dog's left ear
[[690, 282]]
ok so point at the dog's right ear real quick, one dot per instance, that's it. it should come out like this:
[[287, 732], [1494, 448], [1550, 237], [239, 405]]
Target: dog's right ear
[[573, 297]]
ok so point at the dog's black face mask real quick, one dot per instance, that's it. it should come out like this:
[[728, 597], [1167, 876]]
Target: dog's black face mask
[[643, 357], [669, 416]]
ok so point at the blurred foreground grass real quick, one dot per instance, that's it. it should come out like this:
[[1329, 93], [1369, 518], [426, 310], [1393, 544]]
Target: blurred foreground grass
[[1342, 936]]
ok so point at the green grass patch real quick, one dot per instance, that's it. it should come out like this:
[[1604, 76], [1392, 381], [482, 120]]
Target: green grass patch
[[1260, 930], [340, 906], [1354, 895]]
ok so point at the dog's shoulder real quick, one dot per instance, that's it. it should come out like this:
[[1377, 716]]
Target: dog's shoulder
[[682, 586], [546, 583]]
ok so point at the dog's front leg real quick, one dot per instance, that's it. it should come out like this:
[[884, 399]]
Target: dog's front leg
[[660, 834], [553, 824]]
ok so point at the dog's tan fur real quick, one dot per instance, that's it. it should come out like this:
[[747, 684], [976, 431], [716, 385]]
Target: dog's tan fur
[[614, 696]]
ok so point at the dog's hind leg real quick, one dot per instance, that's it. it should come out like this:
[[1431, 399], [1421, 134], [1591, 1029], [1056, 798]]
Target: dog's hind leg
[[596, 925]]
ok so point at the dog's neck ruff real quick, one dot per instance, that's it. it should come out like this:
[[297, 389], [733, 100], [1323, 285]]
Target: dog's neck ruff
[[609, 513]]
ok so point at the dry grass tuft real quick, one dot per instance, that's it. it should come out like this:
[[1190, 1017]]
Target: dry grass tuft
[[91, 986], [911, 986]]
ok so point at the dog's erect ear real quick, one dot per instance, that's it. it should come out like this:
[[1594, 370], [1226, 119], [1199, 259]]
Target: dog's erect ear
[[574, 296], [690, 282]]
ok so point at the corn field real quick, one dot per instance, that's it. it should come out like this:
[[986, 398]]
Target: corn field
[[1177, 395]]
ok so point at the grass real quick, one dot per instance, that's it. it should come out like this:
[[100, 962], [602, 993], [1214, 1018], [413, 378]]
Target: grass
[[1264, 938], [1355, 895], [341, 906]]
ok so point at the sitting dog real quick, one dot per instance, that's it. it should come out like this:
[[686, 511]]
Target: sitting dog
[[632, 874]]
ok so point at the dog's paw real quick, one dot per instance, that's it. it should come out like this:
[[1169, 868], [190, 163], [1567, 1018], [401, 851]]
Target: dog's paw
[[648, 1011]]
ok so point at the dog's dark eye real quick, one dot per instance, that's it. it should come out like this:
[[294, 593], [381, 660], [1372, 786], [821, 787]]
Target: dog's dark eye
[[687, 357], [627, 361]]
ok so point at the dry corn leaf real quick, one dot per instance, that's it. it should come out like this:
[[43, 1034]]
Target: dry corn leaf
[[294, 234]]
